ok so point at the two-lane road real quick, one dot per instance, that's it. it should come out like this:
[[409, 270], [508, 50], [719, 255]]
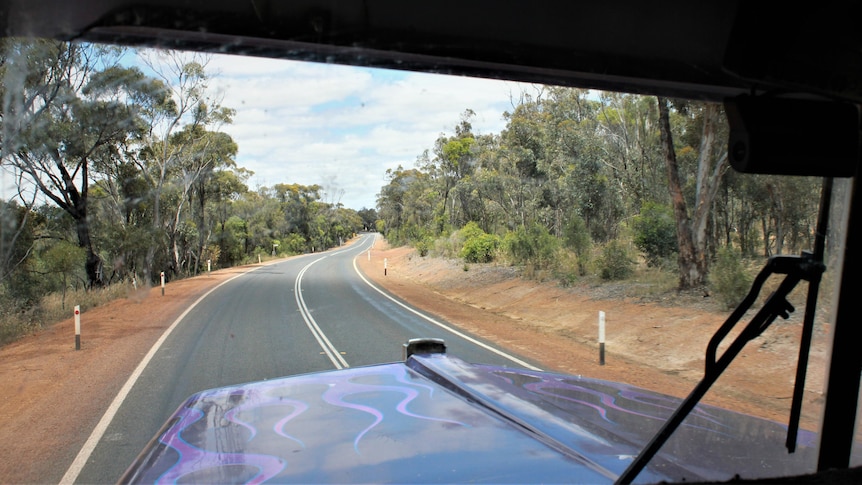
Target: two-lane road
[[306, 314]]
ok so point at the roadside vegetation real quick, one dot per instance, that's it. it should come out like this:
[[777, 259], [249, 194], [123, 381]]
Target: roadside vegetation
[[123, 173], [585, 187]]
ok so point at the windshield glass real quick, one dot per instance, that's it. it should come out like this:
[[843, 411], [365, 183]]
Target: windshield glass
[[590, 233]]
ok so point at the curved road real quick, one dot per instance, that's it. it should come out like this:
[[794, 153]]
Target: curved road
[[306, 314]]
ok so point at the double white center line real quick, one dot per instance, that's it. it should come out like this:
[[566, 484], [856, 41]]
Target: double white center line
[[329, 349]]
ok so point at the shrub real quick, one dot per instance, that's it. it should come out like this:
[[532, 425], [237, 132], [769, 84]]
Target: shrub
[[471, 230], [445, 246], [615, 263], [534, 246], [478, 247], [576, 235], [728, 277], [292, 244], [655, 233], [568, 268], [424, 245]]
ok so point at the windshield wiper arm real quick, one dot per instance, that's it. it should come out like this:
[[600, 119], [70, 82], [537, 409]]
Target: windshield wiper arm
[[809, 267]]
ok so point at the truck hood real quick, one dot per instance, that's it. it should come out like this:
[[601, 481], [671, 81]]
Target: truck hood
[[436, 418]]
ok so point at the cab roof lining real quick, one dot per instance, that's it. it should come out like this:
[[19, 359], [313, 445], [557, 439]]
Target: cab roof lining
[[707, 50]]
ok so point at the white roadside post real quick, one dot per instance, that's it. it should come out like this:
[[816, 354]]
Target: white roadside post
[[77, 327], [385, 264], [162, 276], [369, 255], [601, 338], [210, 264]]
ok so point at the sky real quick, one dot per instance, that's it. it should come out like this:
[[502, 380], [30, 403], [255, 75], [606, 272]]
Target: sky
[[342, 127]]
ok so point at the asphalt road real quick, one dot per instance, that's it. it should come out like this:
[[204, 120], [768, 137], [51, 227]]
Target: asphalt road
[[307, 314]]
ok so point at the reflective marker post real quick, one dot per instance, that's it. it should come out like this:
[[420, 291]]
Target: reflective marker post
[[385, 264], [601, 338], [77, 327], [163, 283]]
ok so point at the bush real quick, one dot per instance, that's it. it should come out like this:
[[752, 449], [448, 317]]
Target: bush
[[655, 233], [568, 268], [292, 244], [445, 246], [728, 277], [534, 246], [478, 247], [615, 263], [424, 245], [576, 235]]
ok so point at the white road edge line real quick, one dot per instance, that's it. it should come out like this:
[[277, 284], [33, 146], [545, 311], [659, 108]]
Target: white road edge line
[[90, 445], [442, 325]]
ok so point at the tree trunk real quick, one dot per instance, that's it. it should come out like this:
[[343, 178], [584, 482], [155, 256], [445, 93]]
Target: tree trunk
[[93, 264], [692, 232]]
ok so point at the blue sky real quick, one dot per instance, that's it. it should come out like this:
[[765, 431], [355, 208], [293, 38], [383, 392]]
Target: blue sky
[[342, 127], [337, 126]]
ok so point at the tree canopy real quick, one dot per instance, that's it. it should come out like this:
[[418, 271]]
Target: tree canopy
[[646, 175]]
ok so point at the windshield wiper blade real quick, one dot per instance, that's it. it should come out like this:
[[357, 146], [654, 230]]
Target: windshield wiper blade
[[808, 320], [809, 267]]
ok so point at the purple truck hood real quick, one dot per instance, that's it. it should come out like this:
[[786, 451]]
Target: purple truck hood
[[436, 418]]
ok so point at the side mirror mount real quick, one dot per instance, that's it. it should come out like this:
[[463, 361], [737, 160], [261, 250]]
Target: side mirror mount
[[786, 136]]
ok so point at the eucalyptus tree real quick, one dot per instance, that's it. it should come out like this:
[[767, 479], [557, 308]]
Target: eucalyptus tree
[[225, 193], [204, 153], [403, 202], [454, 159], [568, 133], [628, 127], [493, 188], [582, 179], [369, 218], [523, 148], [177, 129], [267, 225], [298, 205], [22, 102], [508, 196], [17, 237], [474, 190], [711, 163], [73, 111], [784, 208]]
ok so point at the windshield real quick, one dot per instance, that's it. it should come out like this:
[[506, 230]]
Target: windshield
[[551, 228]]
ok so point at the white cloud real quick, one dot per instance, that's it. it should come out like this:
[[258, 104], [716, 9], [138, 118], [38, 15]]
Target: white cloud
[[341, 127]]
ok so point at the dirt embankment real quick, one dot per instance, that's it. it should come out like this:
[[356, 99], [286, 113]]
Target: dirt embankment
[[54, 395], [658, 345]]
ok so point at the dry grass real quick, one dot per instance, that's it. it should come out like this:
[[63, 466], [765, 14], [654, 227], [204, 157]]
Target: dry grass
[[16, 322]]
